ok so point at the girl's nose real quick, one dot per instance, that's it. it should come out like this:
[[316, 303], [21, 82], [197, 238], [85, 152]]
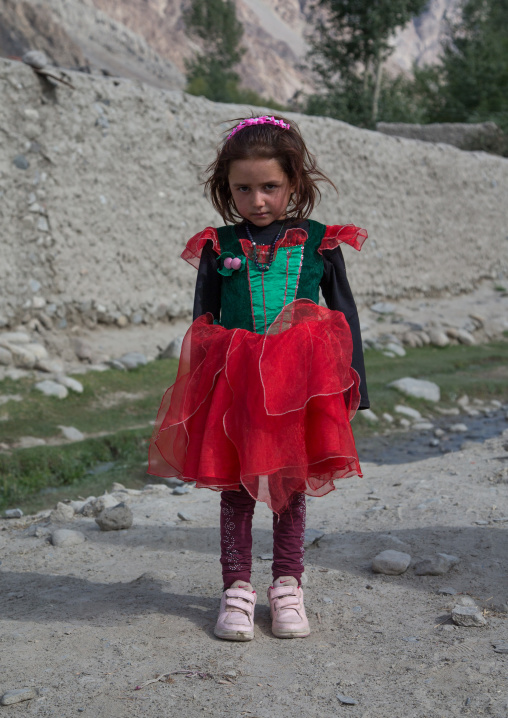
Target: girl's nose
[[258, 199]]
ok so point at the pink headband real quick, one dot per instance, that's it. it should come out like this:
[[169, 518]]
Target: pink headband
[[263, 120]]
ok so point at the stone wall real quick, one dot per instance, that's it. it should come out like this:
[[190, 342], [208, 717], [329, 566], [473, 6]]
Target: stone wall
[[100, 189]]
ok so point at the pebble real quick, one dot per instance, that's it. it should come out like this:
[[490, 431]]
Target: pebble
[[14, 338], [35, 58], [133, 359], [312, 536], [501, 647], [465, 337], [5, 357], [436, 565], [21, 162], [346, 700], [266, 556], [396, 349], [52, 388], [383, 308], [83, 350], [423, 426], [369, 415], [501, 520], [407, 411], [405, 423], [388, 417], [13, 514], [434, 442], [181, 490], [184, 516], [21, 356], [458, 428], [446, 591], [16, 696], [419, 388], [95, 506], [50, 366], [438, 338], [71, 433], [70, 383], [469, 616], [391, 562], [62, 513], [115, 518], [439, 433], [173, 349], [65, 538], [481, 522]]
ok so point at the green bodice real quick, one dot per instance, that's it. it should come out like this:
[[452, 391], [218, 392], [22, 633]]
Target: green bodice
[[252, 299]]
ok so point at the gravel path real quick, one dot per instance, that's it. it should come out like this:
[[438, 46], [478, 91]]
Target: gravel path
[[87, 624]]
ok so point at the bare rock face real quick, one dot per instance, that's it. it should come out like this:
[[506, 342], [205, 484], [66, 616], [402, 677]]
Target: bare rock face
[[485, 136]]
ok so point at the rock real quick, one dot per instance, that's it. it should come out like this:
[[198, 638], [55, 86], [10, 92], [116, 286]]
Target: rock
[[436, 565], [407, 411], [4, 398], [17, 695], [116, 364], [501, 647], [439, 433], [21, 356], [35, 58], [5, 357], [28, 442], [405, 423], [438, 338], [50, 366], [184, 517], [463, 401], [83, 350], [62, 513], [133, 360], [388, 417], [458, 428], [369, 415], [173, 349], [396, 349], [312, 536], [391, 562], [65, 538], [465, 337], [469, 616], [70, 383], [154, 487], [423, 426], [115, 518], [95, 506], [78, 506], [447, 591], [453, 411], [383, 308], [21, 162], [419, 388], [40, 353], [51, 388], [346, 700], [171, 481], [266, 556], [71, 433], [181, 490], [13, 514], [434, 442], [7, 338]]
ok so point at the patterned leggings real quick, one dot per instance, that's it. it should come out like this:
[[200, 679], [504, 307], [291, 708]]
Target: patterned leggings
[[237, 509]]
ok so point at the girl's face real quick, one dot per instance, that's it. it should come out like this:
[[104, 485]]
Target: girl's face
[[260, 190]]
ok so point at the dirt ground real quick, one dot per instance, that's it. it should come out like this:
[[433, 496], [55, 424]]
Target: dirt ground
[[85, 625]]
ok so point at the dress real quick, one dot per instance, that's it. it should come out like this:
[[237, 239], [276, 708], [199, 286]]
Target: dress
[[264, 398]]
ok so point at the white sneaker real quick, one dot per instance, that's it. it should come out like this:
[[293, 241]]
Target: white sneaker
[[236, 613]]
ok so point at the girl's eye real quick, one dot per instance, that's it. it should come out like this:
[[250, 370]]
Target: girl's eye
[[271, 186], [243, 189]]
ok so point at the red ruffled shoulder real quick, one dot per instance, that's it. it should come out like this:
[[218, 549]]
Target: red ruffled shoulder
[[192, 252], [338, 233]]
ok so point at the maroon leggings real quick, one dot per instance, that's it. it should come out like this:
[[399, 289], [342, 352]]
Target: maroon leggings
[[237, 509]]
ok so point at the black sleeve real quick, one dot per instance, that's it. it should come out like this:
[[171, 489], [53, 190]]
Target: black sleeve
[[207, 297], [338, 296]]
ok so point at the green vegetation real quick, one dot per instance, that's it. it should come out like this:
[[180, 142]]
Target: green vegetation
[[469, 85], [211, 73], [348, 50], [116, 409]]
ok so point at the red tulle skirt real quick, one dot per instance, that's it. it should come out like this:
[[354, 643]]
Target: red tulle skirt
[[271, 412]]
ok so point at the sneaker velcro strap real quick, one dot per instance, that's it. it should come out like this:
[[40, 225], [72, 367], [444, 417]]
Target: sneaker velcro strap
[[241, 594], [239, 604], [287, 602], [283, 591]]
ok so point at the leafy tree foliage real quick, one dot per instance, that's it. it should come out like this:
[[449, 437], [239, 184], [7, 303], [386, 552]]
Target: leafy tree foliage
[[211, 73], [348, 47]]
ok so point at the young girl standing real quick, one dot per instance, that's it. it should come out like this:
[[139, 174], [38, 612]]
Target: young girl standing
[[268, 380]]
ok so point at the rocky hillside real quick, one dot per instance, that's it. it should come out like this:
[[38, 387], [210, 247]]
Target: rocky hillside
[[99, 190], [147, 40]]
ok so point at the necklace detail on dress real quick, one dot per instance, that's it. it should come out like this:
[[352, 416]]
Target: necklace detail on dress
[[263, 267]]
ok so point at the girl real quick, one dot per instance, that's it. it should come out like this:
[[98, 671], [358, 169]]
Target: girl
[[268, 380]]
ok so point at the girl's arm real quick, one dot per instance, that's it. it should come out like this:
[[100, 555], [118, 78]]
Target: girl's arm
[[338, 296], [207, 297]]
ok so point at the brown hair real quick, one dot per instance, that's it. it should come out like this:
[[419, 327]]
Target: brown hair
[[271, 142]]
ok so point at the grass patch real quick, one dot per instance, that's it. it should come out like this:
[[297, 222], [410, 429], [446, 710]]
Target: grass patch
[[116, 404]]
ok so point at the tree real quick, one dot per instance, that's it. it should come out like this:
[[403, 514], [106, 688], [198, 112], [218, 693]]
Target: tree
[[349, 45], [211, 73], [472, 82]]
